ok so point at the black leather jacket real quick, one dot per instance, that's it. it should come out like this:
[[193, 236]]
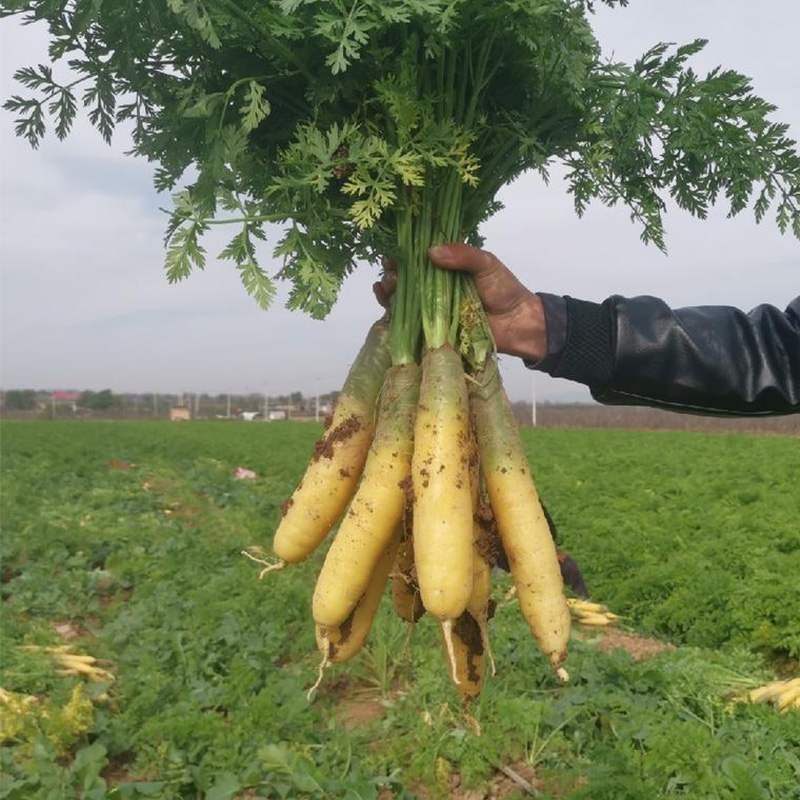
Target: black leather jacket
[[704, 360]]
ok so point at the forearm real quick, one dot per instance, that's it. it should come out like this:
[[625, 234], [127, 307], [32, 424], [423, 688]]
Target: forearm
[[711, 360]]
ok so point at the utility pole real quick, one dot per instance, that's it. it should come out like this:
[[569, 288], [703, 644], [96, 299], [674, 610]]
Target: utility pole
[[155, 404], [533, 398], [266, 406], [229, 406], [197, 404], [316, 414]]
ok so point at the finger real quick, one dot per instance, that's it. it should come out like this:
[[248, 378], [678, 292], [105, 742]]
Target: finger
[[463, 257], [389, 282], [389, 264], [380, 294]]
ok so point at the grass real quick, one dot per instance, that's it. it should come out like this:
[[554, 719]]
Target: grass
[[691, 537]]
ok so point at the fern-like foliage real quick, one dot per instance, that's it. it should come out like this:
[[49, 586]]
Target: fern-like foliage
[[327, 116]]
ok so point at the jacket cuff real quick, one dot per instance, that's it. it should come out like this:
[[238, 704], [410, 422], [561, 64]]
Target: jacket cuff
[[555, 317], [588, 353]]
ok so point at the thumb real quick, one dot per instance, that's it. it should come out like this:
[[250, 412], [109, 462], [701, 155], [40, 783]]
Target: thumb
[[463, 257]]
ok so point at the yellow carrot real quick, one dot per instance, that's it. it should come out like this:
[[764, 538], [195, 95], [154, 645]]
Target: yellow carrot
[[442, 502], [520, 520], [377, 507], [342, 643], [334, 471]]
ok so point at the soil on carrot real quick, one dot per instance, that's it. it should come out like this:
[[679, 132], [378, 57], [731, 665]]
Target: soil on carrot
[[341, 433], [407, 485], [489, 542], [469, 632], [286, 505], [345, 629]]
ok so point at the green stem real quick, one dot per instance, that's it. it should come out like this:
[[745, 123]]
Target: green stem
[[444, 209], [405, 322]]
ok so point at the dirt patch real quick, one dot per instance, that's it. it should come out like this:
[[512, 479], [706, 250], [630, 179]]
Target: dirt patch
[[186, 512], [116, 771], [122, 466], [341, 433], [515, 779], [638, 647], [360, 712], [8, 574], [68, 631], [354, 703], [785, 666], [108, 600]]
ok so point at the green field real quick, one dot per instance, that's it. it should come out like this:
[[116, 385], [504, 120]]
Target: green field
[[694, 538]]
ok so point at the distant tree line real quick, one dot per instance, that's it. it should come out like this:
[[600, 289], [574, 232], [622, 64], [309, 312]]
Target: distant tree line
[[27, 402], [20, 399]]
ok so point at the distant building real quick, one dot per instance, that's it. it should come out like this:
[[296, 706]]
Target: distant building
[[69, 399], [180, 413]]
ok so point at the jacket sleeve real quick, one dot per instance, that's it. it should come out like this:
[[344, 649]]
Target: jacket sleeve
[[704, 360]]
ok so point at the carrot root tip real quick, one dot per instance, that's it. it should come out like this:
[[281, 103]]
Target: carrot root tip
[[488, 647], [321, 674], [447, 629], [269, 566], [472, 722], [407, 642]]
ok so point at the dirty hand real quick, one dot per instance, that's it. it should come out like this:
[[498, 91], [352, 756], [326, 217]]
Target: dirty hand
[[515, 314]]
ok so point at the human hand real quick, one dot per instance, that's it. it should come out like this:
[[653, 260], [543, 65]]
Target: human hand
[[385, 287], [515, 314]]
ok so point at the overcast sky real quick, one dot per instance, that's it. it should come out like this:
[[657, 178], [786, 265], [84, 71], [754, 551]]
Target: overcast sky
[[85, 303]]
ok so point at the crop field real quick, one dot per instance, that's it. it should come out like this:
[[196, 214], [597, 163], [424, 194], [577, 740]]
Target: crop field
[[122, 540]]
